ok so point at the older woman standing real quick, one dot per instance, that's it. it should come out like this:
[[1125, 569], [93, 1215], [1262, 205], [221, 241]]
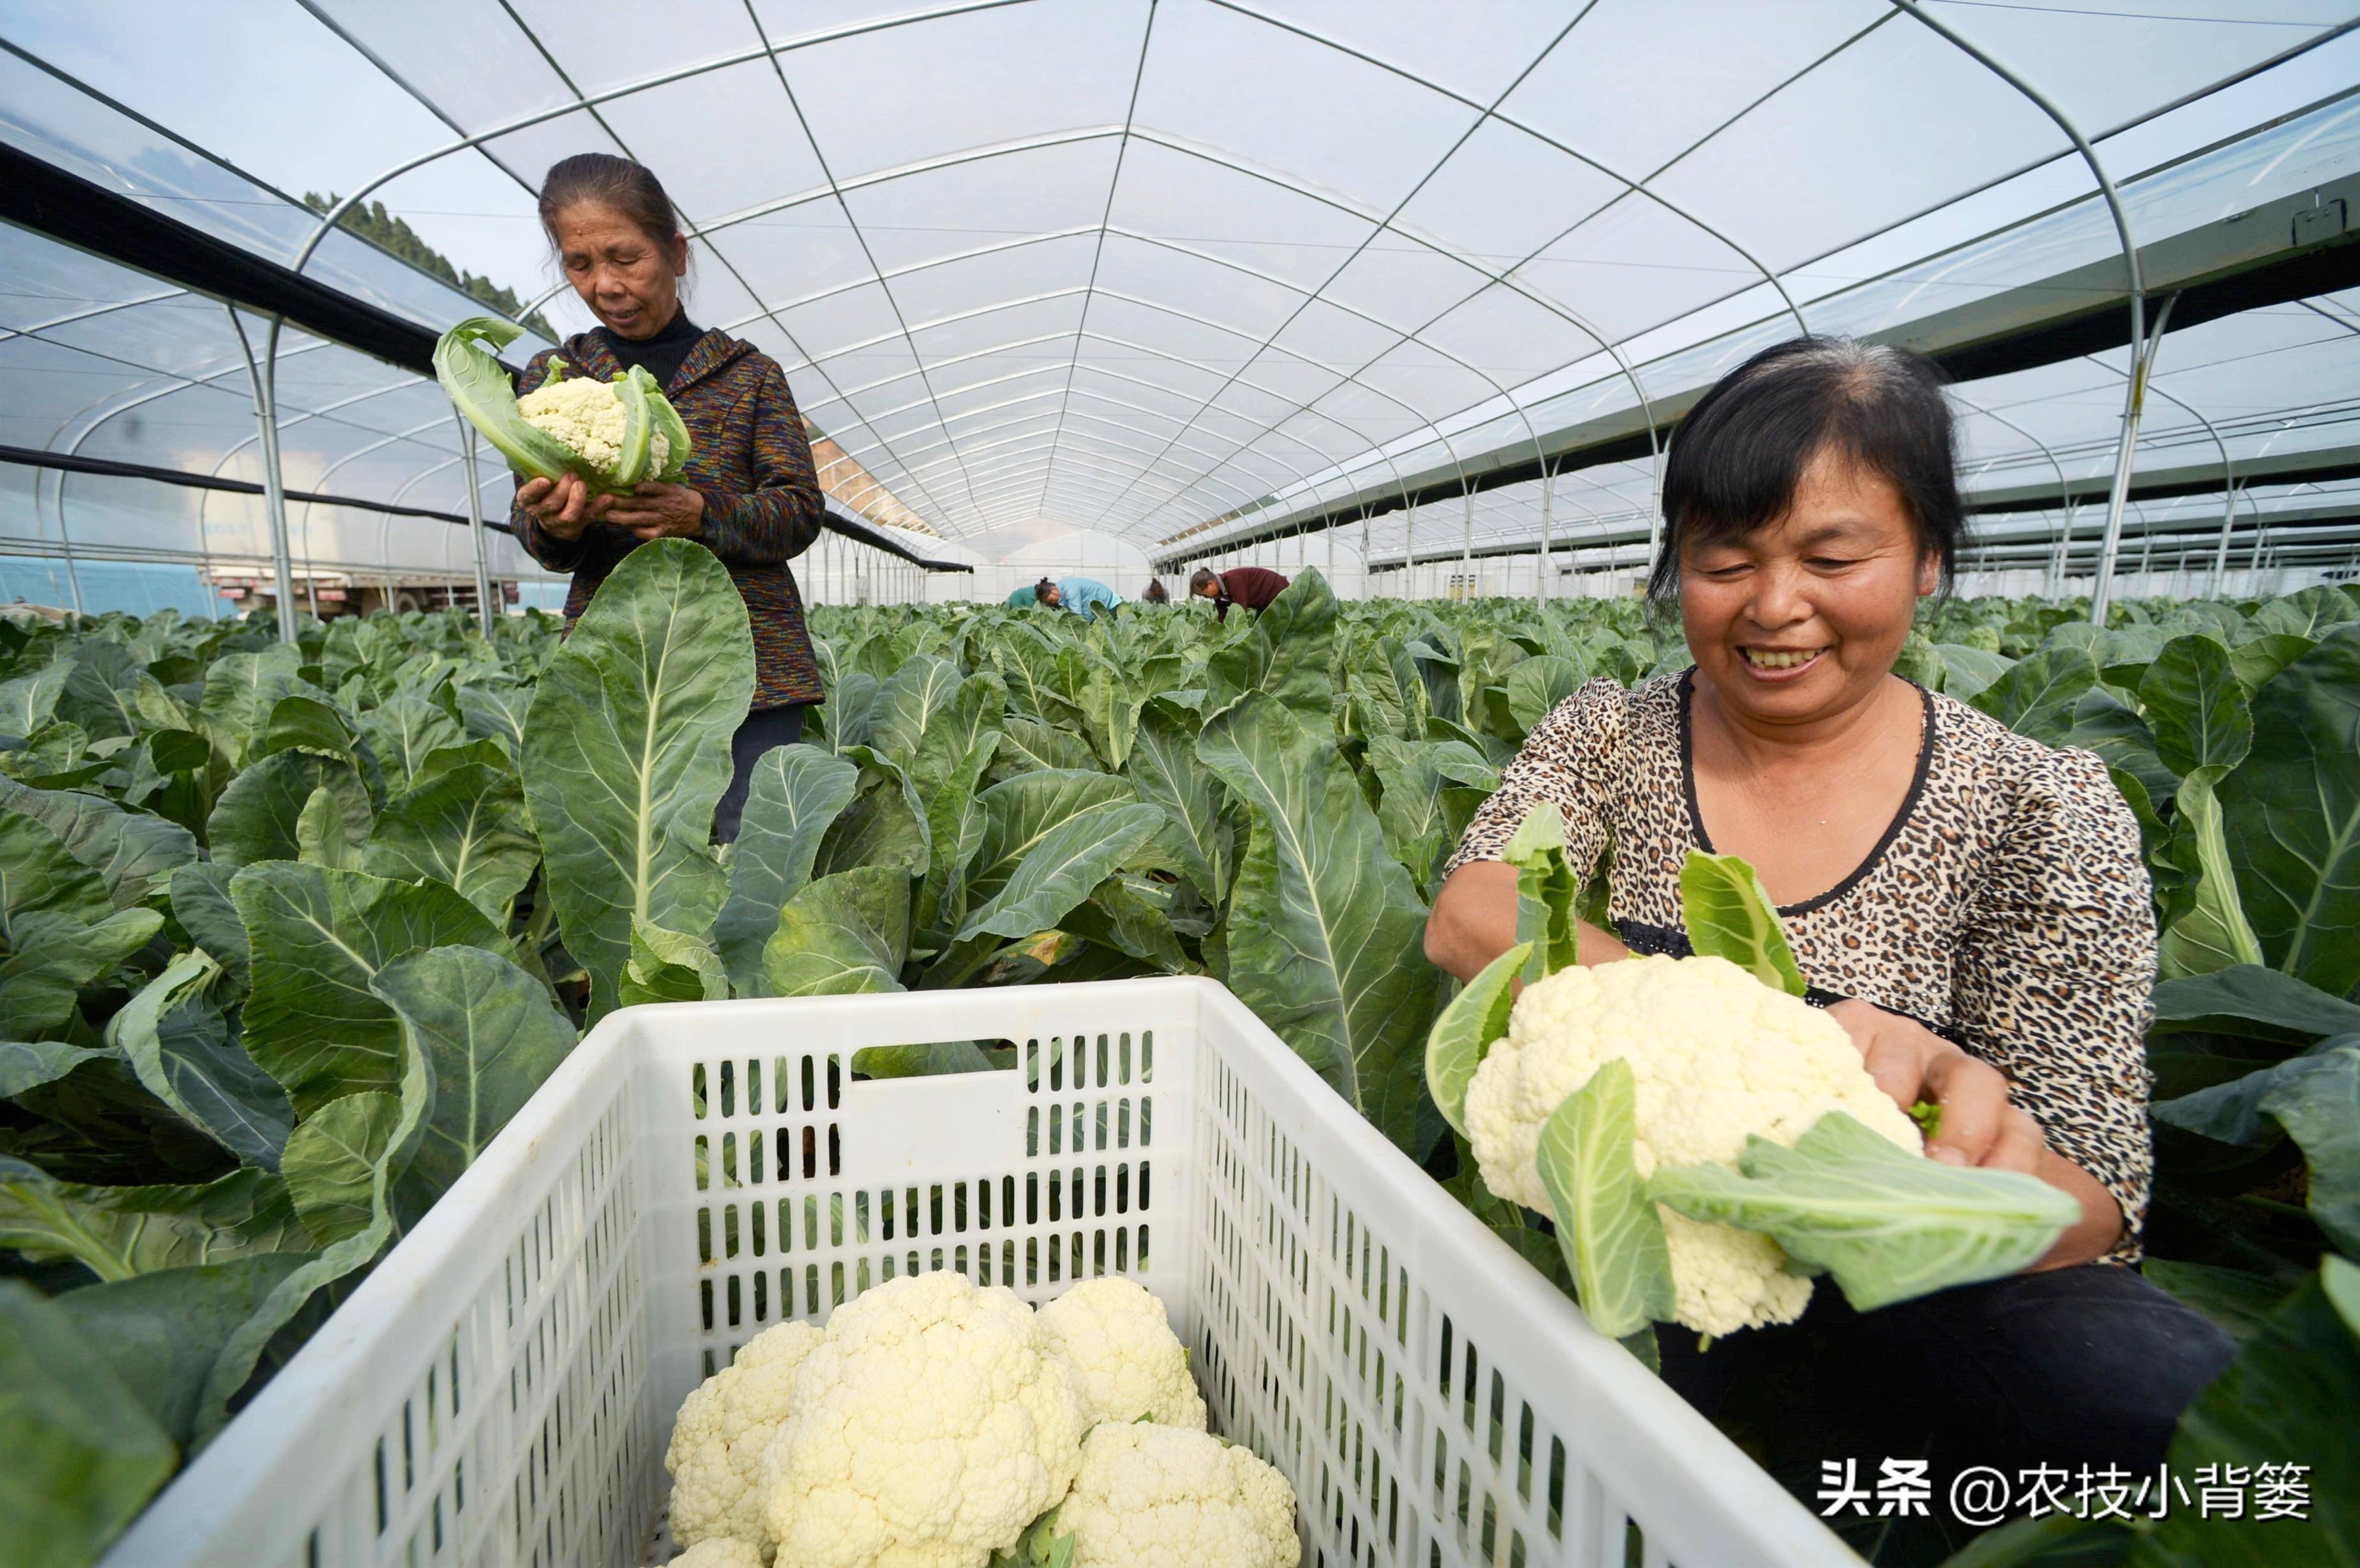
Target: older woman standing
[[749, 494], [1970, 904]]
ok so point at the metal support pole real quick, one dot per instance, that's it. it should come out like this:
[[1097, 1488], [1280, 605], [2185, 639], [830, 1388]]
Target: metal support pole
[[1467, 550], [2221, 557], [1540, 572], [476, 522], [2133, 404], [1409, 553], [1367, 561], [264, 376]]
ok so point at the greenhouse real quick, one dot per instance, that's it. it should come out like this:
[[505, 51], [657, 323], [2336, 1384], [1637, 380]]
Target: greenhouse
[[1029, 783]]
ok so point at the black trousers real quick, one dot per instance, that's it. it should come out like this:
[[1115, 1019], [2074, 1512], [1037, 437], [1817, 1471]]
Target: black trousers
[[2085, 1365], [764, 728]]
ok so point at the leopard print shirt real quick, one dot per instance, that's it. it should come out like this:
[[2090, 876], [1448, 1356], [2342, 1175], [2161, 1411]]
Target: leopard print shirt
[[2007, 908]]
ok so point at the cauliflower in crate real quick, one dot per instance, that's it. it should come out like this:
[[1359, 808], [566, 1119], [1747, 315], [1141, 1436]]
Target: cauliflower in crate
[[723, 1426], [1114, 1335], [1158, 1496]]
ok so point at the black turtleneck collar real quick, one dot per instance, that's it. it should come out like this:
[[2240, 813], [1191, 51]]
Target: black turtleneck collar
[[661, 355]]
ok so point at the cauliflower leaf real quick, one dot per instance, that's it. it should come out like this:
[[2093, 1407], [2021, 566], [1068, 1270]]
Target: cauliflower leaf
[[1888, 1224], [1614, 1242], [1476, 1016], [1729, 916]]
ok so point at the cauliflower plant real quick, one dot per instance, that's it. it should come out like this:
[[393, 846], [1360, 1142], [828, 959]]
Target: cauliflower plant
[[715, 1457], [1161, 1496], [927, 1430], [721, 1551], [1112, 1333], [588, 416], [1717, 1054]]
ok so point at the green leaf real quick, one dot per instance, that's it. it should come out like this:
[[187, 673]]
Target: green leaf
[[29, 1064], [2321, 1111], [331, 1160], [843, 933], [1165, 767], [1058, 870], [1729, 916], [1031, 745], [1612, 1238], [491, 1037], [479, 387], [1326, 930], [55, 957], [2195, 706], [320, 936], [162, 1332], [28, 701], [2291, 811], [1286, 654], [1536, 686], [2256, 1002], [670, 966], [79, 1455], [2341, 1279], [1549, 890], [626, 753], [884, 826], [2257, 660], [241, 690], [39, 875], [2037, 694], [1967, 672], [464, 826], [325, 836], [133, 853], [200, 903], [1890, 1224], [240, 1353], [1430, 792], [1461, 1037], [797, 791], [2238, 1302], [2288, 1398], [259, 816], [2214, 934], [117, 1232], [178, 1042]]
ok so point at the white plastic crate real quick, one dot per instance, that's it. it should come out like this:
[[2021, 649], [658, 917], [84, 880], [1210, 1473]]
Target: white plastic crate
[[500, 1390]]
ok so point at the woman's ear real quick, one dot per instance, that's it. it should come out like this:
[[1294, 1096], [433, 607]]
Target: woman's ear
[[1929, 573], [680, 256]]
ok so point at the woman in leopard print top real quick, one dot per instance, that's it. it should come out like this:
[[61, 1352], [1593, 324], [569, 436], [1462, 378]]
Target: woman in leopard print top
[[1970, 904]]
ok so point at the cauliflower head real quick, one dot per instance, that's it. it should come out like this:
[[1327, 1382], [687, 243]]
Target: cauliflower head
[[721, 1551], [715, 1456], [1717, 1056], [1158, 1496], [589, 417], [929, 1428], [1113, 1334]]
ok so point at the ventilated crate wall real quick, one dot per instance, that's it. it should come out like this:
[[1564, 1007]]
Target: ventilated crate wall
[[500, 1390]]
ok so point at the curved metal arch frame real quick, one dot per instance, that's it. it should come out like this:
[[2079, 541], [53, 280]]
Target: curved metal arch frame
[[774, 51]]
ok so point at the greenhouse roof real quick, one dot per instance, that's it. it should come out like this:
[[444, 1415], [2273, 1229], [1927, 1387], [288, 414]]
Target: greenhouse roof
[[1190, 272]]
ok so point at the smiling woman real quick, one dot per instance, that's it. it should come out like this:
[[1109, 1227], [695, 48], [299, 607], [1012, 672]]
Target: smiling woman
[[1970, 904], [748, 493]]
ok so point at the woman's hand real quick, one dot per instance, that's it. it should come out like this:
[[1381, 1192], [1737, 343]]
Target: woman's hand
[[1911, 1063], [657, 512], [563, 506]]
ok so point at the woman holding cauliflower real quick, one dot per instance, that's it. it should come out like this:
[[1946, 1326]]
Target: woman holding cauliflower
[[748, 493], [1968, 904]]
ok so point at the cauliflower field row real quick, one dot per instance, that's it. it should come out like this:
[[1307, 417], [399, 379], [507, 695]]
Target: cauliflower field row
[[262, 908]]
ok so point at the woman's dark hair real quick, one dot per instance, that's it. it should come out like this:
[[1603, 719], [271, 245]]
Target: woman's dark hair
[[1736, 458], [1045, 585], [1155, 593], [1203, 577], [632, 189]]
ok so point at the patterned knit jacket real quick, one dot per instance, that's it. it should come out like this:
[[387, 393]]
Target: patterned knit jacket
[[763, 504]]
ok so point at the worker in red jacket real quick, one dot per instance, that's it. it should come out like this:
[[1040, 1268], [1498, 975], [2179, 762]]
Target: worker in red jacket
[[1249, 587]]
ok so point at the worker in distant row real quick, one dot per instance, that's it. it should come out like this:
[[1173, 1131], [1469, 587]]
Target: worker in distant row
[[1043, 593], [1248, 587], [1155, 593], [1084, 596]]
